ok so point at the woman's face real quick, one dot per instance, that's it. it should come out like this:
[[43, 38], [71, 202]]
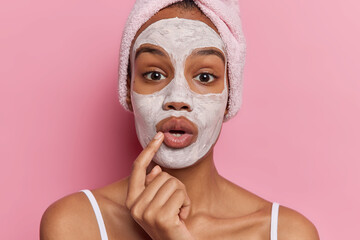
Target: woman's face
[[178, 85]]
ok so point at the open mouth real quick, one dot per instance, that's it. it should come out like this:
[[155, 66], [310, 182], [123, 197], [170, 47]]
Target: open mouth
[[178, 132]]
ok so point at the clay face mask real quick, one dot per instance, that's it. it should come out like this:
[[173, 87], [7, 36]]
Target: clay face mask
[[179, 38]]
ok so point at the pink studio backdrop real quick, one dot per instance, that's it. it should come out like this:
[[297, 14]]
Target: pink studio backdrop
[[296, 139]]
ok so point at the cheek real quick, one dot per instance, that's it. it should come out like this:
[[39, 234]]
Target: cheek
[[209, 111], [146, 107]]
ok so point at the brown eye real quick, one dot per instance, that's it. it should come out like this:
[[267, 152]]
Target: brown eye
[[205, 77], [154, 76]]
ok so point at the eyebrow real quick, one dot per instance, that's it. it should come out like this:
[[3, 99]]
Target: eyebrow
[[203, 52], [210, 52], [149, 50]]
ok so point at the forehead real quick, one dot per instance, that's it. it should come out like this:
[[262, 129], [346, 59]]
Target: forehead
[[172, 12], [180, 35]]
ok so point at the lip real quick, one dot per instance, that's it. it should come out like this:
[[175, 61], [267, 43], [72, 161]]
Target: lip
[[179, 132]]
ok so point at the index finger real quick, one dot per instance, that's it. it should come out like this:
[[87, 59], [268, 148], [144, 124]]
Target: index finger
[[138, 173]]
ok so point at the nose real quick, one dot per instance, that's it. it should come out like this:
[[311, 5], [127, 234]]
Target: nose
[[177, 106]]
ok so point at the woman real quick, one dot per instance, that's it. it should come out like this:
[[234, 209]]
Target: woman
[[181, 82]]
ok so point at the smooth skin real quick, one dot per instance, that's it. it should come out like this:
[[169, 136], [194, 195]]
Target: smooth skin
[[159, 203]]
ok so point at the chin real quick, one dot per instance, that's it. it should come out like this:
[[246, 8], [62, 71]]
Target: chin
[[171, 158]]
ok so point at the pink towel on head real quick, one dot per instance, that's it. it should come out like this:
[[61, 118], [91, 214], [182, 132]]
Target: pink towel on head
[[225, 15]]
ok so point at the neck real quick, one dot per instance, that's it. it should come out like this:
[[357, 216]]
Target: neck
[[202, 182]]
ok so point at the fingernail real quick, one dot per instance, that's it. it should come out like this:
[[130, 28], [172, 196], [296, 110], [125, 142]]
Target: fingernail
[[156, 169], [158, 135]]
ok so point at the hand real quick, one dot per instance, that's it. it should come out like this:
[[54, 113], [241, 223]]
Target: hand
[[158, 202]]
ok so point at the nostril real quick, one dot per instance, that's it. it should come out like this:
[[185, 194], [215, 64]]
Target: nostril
[[177, 106], [171, 107]]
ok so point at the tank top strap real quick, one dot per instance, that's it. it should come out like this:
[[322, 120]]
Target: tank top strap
[[274, 221], [97, 212]]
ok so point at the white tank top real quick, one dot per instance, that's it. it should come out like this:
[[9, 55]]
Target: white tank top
[[103, 234]]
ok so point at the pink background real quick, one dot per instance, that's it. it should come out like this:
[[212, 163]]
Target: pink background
[[296, 140]]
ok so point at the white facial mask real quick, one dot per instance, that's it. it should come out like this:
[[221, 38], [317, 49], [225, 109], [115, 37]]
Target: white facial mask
[[179, 38]]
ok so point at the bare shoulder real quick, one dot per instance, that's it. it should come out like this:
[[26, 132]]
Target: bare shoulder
[[257, 211], [70, 217], [293, 225]]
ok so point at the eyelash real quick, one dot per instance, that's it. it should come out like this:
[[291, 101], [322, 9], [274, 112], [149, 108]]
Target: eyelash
[[152, 72], [212, 75]]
